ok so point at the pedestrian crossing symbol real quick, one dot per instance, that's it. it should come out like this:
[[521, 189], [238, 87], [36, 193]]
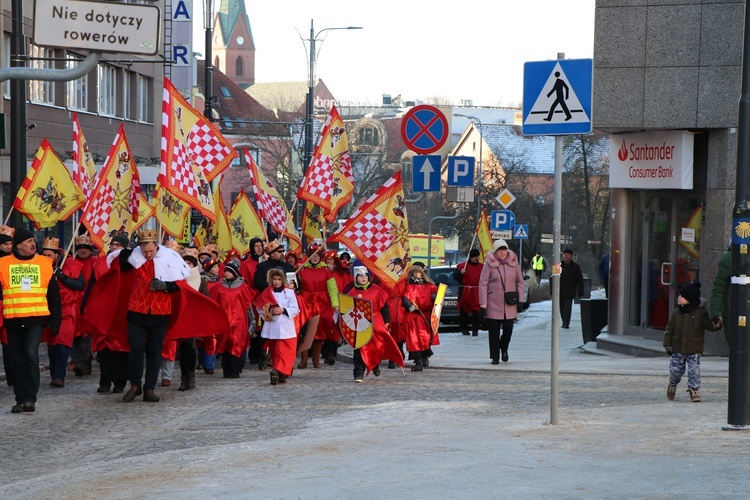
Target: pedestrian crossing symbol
[[521, 232], [557, 97]]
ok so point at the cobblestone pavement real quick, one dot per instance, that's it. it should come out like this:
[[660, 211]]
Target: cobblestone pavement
[[447, 433]]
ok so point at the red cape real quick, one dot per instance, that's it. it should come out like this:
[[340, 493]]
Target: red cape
[[193, 314]]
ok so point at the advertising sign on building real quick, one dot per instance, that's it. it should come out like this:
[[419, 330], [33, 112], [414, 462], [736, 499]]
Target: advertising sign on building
[[651, 160]]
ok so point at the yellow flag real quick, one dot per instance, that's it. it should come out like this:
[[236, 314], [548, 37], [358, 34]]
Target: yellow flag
[[295, 243], [312, 222], [170, 211], [116, 199], [221, 233], [378, 233], [48, 194], [244, 224], [483, 236]]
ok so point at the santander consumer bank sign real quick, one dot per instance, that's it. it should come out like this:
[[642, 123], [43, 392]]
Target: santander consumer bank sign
[[651, 160]]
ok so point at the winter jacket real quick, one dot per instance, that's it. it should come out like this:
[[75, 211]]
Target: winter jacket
[[685, 332], [720, 291], [571, 281], [491, 290]]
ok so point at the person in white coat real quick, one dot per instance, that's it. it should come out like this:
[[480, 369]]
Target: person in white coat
[[278, 306]]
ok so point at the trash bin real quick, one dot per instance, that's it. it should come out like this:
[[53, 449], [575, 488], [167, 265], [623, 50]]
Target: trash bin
[[586, 290], [594, 317]]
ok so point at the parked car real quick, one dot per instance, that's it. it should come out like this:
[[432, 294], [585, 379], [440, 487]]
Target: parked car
[[444, 274]]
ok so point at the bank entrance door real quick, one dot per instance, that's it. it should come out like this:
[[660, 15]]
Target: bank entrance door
[[671, 240]]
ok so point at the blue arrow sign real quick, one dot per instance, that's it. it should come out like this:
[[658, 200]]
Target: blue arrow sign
[[425, 173], [521, 232], [460, 171], [557, 97], [502, 220]]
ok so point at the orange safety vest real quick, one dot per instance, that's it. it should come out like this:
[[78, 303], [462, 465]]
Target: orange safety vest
[[25, 285]]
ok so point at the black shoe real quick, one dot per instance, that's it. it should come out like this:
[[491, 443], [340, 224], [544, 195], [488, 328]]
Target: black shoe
[[263, 363], [505, 356], [274, 375], [118, 389], [29, 407], [391, 365], [495, 362], [330, 360], [17, 409], [426, 362], [151, 397], [376, 371], [464, 332], [475, 334], [102, 390], [416, 368]]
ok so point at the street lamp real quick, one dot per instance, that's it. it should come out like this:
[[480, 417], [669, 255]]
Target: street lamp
[[479, 182], [311, 89], [208, 25]]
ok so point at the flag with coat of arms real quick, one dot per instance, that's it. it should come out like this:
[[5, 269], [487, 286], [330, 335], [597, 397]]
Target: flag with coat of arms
[[244, 224], [48, 194], [484, 237], [378, 233], [329, 179]]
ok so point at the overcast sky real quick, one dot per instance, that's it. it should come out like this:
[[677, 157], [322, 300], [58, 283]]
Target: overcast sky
[[471, 49]]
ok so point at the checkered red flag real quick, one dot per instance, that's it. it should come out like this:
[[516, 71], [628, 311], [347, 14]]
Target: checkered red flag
[[270, 204], [378, 233], [208, 149]]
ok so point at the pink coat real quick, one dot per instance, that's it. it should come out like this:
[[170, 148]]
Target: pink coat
[[491, 291]]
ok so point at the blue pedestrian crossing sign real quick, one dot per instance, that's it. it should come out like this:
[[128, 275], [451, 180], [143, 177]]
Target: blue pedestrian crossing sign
[[425, 173], [502, 220], [557, 97], [521, 232]]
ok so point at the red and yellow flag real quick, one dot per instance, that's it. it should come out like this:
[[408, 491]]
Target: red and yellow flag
[[48, 194], [312, 222], [244, 224], [84, 169], [145, 212], [222, 235], [483, 236], [171, 212], [378, 233], [329, 180], [193, 152], [116, 200]]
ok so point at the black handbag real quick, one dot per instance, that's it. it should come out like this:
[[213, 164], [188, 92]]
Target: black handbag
[[511, 298]]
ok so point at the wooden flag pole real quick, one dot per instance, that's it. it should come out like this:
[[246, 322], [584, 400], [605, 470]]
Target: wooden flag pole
[[70, 245], [8, 217]]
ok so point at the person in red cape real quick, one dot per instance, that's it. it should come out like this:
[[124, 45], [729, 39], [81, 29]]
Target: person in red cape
[[70, 280], [6, 245], [112, 350], [247, 271], [381, 345], [277, 304], [319, 288], [81, 353], [207, 345], [418, 300], [158, 303], [467, 274], [235, 298]]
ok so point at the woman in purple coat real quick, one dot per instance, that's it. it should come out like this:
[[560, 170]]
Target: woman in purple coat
[[501, 273]]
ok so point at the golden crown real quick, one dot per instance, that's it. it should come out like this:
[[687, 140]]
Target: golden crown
[[51, 244], [84, 239], [147, 235]]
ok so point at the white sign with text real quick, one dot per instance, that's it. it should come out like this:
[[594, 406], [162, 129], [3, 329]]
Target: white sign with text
[[651, 160]]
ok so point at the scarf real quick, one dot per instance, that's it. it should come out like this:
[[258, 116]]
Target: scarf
[[168, 264], [689, 307], [194, 279]]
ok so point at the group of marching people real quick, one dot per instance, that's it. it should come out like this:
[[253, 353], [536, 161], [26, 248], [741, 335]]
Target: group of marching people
[[146, 301]]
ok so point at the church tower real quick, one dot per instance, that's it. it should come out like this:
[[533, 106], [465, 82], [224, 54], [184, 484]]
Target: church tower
[[233, 47]]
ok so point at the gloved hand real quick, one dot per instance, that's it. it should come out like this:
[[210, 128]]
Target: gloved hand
[[54, 331], [668, 349], [482, 313], [59, 273], [158, 285], [133, 242], [412, 308]]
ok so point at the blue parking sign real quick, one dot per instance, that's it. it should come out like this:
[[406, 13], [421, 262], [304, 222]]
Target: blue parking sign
[[460, 171], [502, 220]]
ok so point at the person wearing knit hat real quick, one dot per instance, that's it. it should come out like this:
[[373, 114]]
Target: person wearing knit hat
[[6, 244], [71, 282], [25, 319], [684, 338], [121, 239], [235, 297], [467, 274]]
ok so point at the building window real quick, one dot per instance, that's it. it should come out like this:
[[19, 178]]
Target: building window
[[239, 160], [239, 66], [77, 89], [225, 91], [126, 95], [142, 92], [368, 136], [6, 63], [41, 91], [107, 90], [228, 124]]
